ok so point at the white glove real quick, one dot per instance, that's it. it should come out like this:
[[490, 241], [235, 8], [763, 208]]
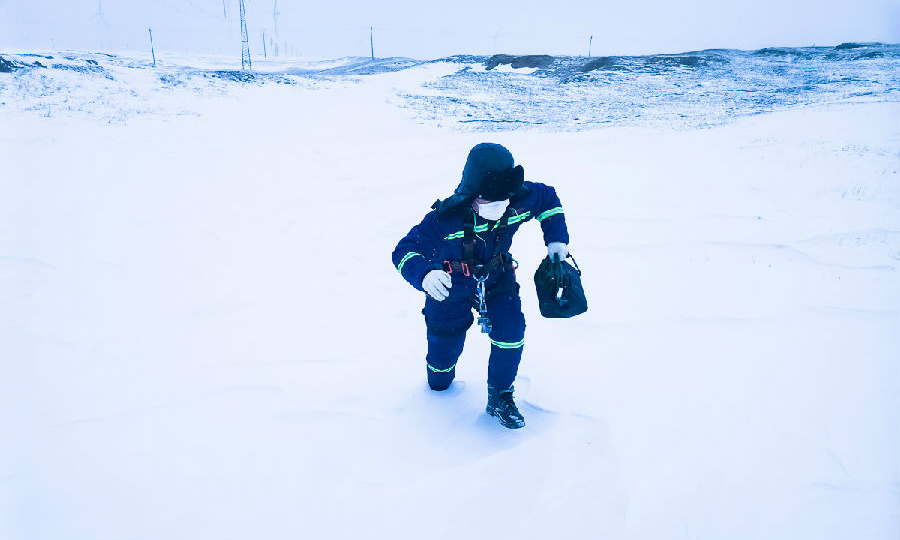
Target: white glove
[[557, 248], [437, 284]]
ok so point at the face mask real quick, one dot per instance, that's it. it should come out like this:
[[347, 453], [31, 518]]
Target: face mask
[[493, 210]]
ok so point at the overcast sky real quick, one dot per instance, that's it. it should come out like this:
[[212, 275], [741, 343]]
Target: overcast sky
[[331, 29]]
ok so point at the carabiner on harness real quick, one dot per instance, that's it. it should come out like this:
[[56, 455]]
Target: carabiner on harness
[[483, 319]]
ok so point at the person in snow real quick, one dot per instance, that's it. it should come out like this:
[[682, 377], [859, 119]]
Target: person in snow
[[459, 256]]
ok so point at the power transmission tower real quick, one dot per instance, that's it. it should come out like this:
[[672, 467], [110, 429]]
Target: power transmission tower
[[265, 56], [99, 14], [224, 11], [245, 42], [372, 40], [590, 41]]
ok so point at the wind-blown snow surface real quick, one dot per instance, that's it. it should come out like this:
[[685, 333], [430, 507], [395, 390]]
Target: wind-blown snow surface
[[202, 335]]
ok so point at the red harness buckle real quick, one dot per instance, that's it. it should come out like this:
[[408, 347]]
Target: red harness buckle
[[460, 265]]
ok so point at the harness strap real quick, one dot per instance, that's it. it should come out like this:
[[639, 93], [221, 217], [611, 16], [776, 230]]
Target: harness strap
[[469, 264], [501, 260], [469, 241]]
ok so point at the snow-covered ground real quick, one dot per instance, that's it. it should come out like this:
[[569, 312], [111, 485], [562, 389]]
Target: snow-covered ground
[[202, 335]]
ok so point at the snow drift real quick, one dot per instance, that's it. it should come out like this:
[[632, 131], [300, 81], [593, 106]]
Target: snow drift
[[202, 337]]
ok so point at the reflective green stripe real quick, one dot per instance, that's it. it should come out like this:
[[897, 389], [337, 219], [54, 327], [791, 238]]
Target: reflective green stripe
[[484, 227], [506, 345], [548, 213], [521, 217], [436, 370], [460, 234], [408, 256]]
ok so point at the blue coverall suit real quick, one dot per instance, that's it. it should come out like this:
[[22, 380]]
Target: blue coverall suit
[[439, 238]]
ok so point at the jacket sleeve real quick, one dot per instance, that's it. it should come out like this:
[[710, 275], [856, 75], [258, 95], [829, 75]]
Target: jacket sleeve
[[414, 255], [549, 213]]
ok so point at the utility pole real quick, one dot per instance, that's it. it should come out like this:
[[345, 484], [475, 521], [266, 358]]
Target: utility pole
[[372, 40], [224, 12], [275, 14], [590, 41], [264, 43], [245, 42], [151, 46]]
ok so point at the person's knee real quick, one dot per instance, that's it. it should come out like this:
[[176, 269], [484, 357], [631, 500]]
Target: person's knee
[[440, 380], [509, 334], [509, 329], [507, 319], [439, 387]]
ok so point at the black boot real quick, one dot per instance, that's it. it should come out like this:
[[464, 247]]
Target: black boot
[[500, 404]]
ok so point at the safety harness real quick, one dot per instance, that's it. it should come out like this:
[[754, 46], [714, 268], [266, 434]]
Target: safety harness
[[470, 266]]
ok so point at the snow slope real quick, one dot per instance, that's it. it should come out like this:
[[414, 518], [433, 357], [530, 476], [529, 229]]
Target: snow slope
[[202, 335]]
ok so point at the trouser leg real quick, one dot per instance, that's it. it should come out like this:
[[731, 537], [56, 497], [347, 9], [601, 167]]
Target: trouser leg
[[507, 336], [443, 352], [446, 333]]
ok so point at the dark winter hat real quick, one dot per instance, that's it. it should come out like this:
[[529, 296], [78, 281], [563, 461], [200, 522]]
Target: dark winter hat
[[490, 173]]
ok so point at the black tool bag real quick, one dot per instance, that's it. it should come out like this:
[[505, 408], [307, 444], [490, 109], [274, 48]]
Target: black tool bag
[[559, 291]]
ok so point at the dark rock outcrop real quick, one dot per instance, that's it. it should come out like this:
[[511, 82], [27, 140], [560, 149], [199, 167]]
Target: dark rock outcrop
[[851, 45], [6, 66], [539, 61], [607, 63]]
